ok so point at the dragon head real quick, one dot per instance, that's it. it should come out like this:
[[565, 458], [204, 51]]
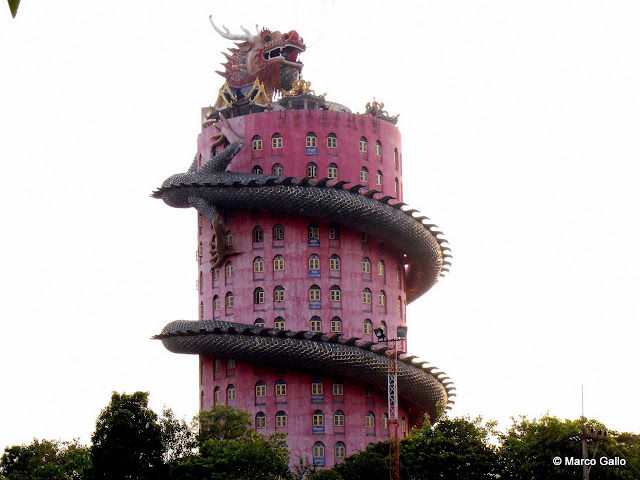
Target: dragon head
[[271, 57]]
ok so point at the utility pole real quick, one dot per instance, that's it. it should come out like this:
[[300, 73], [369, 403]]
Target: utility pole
[[586, 436]]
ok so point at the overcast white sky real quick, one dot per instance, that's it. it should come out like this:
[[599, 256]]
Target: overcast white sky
[[520, 126]]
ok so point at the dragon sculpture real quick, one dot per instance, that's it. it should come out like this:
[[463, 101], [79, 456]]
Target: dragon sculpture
[[271, 58]]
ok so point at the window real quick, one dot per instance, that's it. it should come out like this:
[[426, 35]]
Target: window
[[258, 234], [336, 325], [316, 387], [382, 298], [368, 390], [231, 363], [370, 420], [218, 364], [258, 296], [364, 175], [339, 451], [257, 170], [216, 396], [256, 143], [277, 169], [396, 186], [276, 141], [258, 265], [216, 303], [335, 293], [318, 450], [315, 324], [398, 274], [403, 425], [279, 323], [231, 392], [366, 296], [318, 418], [395, 157], [379, 178], [338, 389], [216, 274], [314, 293], [312, 170], [332, 141], [381, 268], [201, 310], [281, 419], [334, 232], [228, 270], [314, 262], [278, 263], [378, 148], [399, 304], [278, 294], [367, 327], [364, 237], [385, 421], [362, 145], [313, 232], [200, 283], [334, 262], [261, 420], [281, 388], [332, 171], [229, 239], [366, 265], [228, 300], [259, 323], [338, 418], [278, 232], [311, 140]]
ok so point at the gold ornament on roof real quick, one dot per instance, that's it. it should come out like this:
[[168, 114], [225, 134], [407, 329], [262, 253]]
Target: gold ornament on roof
[[301, 87]]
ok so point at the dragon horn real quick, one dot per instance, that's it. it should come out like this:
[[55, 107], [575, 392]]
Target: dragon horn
[[247, 37]]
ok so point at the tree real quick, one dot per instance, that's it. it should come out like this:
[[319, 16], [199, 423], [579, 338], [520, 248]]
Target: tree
[[127, 442], [13, 6], [178, 438], [45, 459]]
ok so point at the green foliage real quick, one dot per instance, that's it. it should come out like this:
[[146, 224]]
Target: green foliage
[[223, 423], [371, 464], [324, 475], [13, 6], [127, 442], [45, 459], [178, 437]]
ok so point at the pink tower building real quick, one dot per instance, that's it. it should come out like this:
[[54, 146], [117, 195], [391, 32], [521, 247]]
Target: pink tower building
[[304, 251]]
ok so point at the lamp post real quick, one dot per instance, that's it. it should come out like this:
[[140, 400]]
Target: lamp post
[[392, 396]]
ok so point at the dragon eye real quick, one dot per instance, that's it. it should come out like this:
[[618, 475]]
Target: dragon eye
[[267, 38]]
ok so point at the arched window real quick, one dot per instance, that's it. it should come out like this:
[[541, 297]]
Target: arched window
[[258, 265], [313, 232], [382, 298], [216, 303], [339, 451], [258, 234], [278, 263], [332, 141], [201, 310], [335, 293], [316, 387], [370, 420], [403, 425], [318, 451], [399, 304], [216, 396], [381, 269], [378, 148], [379, 178], [334, 232], [366, 296], [367, 327], [336, 325], [314, 262], [364, 175], [215, 274], [318, 418], [334, 262], [385, 421], [259, 323], [314, 297], [366, 265], [277, 169], [278, 232], [228, 241], [261, 420], [338, 418], [315, 324], [281, 419], [257, 170], [228, 273], [312, 170], [395, 157], [228, 300], [278, 294], [231, 392], [362, 145], [256, 143], [276, 141], [279, 323], [311, 144], [200, 283], [258, 296], [396, 186], [281, 388], [332, 171]]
